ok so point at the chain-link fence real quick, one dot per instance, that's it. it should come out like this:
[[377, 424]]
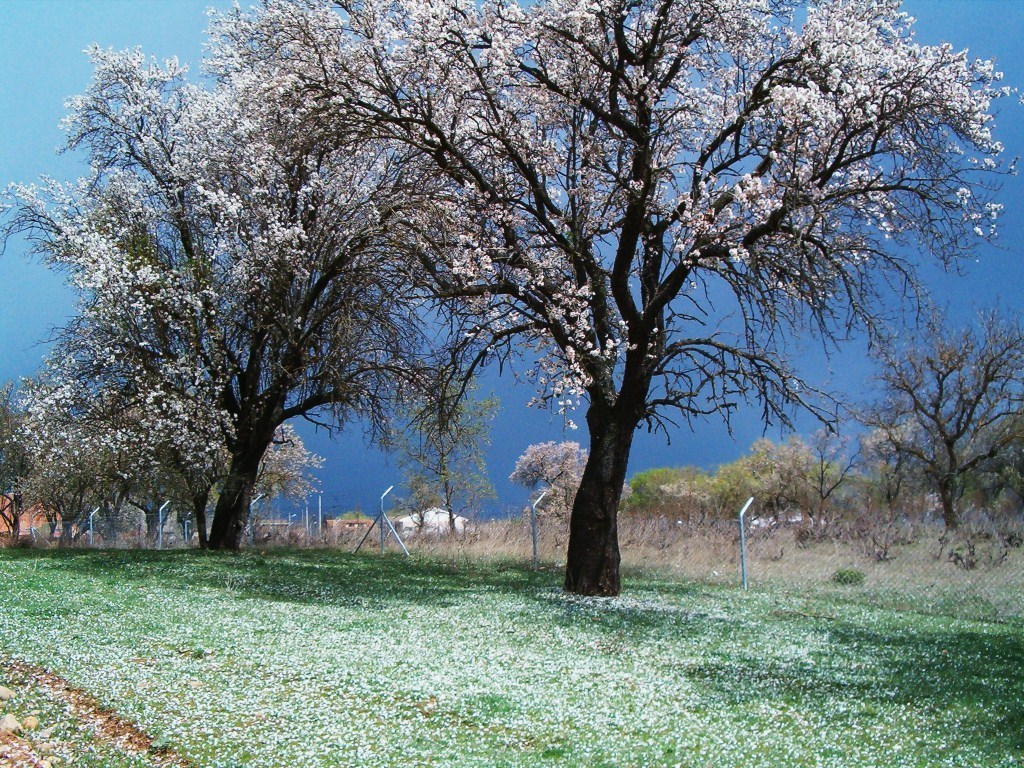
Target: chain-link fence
[[976, 572]]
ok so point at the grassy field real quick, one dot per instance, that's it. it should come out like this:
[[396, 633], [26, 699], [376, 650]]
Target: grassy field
[[328, 659]]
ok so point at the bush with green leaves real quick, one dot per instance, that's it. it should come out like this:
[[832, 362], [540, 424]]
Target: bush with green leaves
[[848, 577]]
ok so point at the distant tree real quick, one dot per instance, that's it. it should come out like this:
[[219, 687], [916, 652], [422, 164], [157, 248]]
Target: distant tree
[[287, 467], [780, 476], [442, 449], [787, 477], [782, 473], [733, 483], [68, 478], [14, 458], [555, 467], [168, 442], [999, 482], [833, 464], [653, 489], [675, 491], [888, 471], [952, 401]]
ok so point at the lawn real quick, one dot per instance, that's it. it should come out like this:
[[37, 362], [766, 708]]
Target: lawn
[[329, 659]]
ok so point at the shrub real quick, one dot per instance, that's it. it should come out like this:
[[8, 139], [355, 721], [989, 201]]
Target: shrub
[[848, 577]]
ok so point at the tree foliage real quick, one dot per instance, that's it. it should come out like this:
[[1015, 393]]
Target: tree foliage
[[235, 269], [794, 478], [654, 195]]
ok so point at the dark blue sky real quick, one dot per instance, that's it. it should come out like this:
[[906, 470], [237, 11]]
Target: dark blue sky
[[41, 64]]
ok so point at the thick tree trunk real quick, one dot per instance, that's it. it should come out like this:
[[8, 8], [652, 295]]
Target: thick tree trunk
[[66, 533], [232, 511], [199, 502], [947, 495], [592, 563]]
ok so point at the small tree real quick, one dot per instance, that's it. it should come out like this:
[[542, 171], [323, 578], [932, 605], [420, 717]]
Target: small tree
[[443, 450], [782, 474], [832, 466], [160, 436], [557, 467], [67, 479], [287, 467], [14, 458], [888, 473], [673, 491], [655, 489], [952, 401], [999, 483]]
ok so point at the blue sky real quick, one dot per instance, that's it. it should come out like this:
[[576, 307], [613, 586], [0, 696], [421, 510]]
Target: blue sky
[[41, 64]]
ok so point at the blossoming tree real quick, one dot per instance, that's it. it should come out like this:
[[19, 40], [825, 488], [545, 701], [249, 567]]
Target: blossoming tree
[[650, 196], [654, 194], [235, 269], [554, 467]]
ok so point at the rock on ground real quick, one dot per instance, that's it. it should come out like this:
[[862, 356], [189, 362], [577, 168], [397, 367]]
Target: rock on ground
[[10, 724]]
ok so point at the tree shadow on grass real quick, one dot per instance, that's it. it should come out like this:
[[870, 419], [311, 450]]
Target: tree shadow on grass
[[974, 671], [949, 673], [301, 577], [333, 578], [965, 674]]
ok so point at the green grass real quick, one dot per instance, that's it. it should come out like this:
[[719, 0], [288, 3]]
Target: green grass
[[326, 659], [61, 736]]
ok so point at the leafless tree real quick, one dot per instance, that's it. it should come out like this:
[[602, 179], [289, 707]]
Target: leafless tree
[[951, 401], [833, 462]]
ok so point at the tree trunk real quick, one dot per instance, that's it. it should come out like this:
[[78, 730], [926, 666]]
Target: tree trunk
[[152, 517], [232, 511], [947, 495], [199, 502], [592, 563], [66, 533]]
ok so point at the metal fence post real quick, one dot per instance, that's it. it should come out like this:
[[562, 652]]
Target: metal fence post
[[533, 526], [160, 525], [743, 543], [91, 527]]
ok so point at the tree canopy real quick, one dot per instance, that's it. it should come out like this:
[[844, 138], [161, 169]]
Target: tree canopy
[[952, 401], [650, 198], [235, 268], [654, 195]]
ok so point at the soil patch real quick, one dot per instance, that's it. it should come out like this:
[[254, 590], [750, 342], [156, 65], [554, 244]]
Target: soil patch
[[108, 726]]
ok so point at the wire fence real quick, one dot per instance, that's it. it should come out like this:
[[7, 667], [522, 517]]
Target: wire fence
[[971, 573], [975, 572]]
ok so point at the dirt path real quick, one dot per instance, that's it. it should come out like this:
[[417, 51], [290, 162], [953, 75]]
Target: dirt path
[[108, 726], [17, 753]]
